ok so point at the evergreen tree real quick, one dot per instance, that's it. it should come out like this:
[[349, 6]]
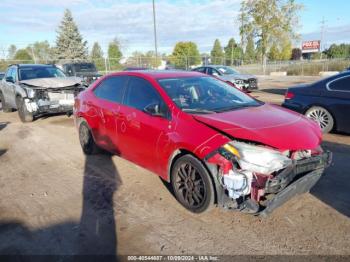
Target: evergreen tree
[[233, 52], [97, 56], [216, 53], [69, 42], [274, 53], [114, 54]]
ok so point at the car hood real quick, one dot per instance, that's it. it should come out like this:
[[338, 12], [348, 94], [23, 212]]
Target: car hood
[[53, 82], [237, 76], [266, 124]]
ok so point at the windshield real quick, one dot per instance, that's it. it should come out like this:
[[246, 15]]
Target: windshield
[[27, 73], [85, 67], [205, 95], [227, 70]]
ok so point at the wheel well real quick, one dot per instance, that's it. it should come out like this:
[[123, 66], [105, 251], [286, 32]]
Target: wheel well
[[182, 152], [327, 108]]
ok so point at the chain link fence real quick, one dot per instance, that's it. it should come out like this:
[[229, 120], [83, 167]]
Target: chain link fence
[[107, 65]]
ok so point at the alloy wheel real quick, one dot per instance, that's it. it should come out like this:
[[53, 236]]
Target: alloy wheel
[[190, 185], [322, 117]]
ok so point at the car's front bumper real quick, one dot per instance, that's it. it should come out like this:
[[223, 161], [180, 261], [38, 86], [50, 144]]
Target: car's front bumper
[[295, 180]]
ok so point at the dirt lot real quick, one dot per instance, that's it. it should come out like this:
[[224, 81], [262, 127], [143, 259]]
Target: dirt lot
[[54, 200]]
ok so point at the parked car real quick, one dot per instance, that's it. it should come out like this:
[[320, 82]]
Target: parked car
[[326, 101], [135, 68], [2, 74], [241, 81], [35, 90], [211, 142], [85, 70]]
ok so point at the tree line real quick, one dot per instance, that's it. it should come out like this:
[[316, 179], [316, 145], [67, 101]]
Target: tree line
[[267, 29]]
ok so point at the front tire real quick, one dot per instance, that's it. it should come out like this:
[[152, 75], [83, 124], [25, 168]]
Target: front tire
[[192, 184], [322, 117], [86, 139], [23, 112]]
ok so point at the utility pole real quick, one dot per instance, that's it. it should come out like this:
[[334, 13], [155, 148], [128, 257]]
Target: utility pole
[[155, 30], [323, 27]]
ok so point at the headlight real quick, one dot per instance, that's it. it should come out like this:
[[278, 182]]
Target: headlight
[[238, 81], [30, 92], [257, 158]]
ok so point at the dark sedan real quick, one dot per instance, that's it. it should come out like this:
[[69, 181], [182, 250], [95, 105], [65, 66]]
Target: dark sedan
[[326, 101]]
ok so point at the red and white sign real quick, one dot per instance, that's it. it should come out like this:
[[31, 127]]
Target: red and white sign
[[311, 46]]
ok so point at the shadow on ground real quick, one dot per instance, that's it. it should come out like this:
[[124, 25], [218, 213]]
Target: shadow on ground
[[94, 234], [3, 125], [334, 187], [275, 91]]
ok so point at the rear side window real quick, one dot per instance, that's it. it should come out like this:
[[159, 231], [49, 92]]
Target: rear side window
[[200, 70], [111, 89], [340, 84], [141, 93]]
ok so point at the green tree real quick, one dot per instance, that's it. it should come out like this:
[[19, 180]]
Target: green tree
[[42, 52], [22, 56], [11, 51], [269, 21], [114, 54], [217, 55], [274, 53], [69, 42], [338, 51], [250, 53], [233, 52], [185, 54], [286, 51], [97, 56]]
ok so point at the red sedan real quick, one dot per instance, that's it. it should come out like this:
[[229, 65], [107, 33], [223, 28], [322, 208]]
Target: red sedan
[[213, 143]]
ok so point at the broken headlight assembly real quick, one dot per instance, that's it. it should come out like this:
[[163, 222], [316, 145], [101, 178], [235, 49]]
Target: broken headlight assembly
[[253, 158], [30, 92]]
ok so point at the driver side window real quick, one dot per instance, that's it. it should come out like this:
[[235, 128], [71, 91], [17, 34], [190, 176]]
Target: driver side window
[[141, 93]]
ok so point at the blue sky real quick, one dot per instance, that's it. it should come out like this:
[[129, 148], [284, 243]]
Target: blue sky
[[23, 22]]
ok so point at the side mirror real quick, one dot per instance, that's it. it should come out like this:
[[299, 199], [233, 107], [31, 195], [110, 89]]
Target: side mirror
[[10, 79], [215, 74], [153, 110]]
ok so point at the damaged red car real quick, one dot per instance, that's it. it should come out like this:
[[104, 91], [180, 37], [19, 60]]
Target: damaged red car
[[214, 144]]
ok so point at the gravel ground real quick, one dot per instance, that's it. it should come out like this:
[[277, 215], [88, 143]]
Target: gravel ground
[[54, 200]]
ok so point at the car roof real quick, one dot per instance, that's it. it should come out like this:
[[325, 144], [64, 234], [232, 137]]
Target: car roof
[[33, 65], [159, 74]]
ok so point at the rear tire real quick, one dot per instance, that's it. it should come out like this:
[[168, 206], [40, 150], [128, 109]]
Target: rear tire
[[322, 117], [5, 108], [23, 112], [87, 141], [192, 184]]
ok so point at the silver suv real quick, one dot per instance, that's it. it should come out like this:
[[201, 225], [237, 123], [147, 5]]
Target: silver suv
[[36, 90], [243, 82]]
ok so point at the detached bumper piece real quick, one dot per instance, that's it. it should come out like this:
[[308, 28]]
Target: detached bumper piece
[[298, 187], [298, 179]]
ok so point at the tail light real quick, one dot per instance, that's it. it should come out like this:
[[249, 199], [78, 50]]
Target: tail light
[[289, 95]]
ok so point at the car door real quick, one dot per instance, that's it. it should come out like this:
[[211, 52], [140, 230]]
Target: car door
[[9, 88], [339, 95], [106, 106], [142, 134]]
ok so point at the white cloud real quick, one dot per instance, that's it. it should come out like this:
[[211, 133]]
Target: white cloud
[[131, 21]]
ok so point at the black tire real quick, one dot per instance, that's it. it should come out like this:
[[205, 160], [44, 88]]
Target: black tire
[[86, 139], [23, 112], [5, 108], [192, 184]]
